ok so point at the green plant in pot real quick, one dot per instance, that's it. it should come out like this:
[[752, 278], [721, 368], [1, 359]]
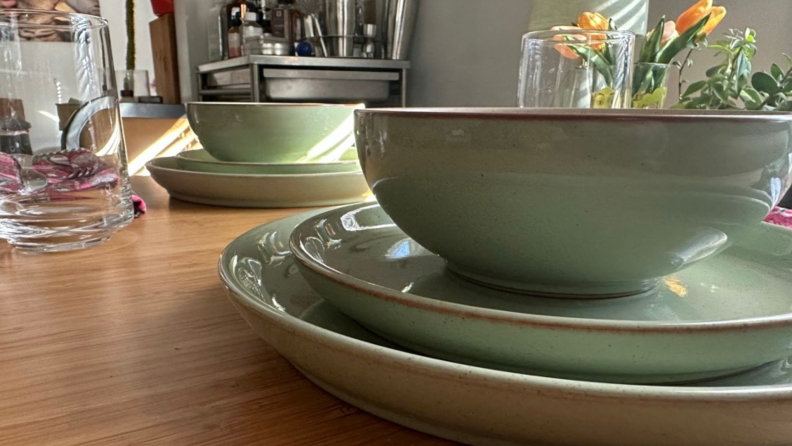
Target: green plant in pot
[[732, 85]]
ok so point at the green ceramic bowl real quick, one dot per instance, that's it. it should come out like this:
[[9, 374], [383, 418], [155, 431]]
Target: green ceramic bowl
[[273, 133], [201, 161], [581, 203]]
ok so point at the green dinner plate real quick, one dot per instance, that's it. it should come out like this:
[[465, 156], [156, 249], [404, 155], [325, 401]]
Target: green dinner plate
[[201, 161], [480, 406]]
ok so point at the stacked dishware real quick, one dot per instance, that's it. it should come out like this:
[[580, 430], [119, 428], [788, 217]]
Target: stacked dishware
[[568, 277], [266, 155]]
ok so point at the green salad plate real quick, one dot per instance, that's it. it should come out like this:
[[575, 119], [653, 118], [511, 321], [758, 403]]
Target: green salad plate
[[726, 314]]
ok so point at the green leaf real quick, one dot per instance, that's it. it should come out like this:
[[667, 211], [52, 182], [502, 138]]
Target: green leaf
[[752, 94], [720, 92], [723, 49], [742, 71], [742, 82], [787, 86], [686, 40], [596, 59], [777, 72], [765, 83], [753, 99], [714, 70], [652, 45], [788, 60], [694, 87]]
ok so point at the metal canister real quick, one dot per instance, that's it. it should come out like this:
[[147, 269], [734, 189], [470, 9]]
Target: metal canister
[[340, 22], [398, 21]]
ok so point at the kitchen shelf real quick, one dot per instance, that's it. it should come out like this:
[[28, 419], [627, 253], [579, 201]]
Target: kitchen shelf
[[375, 82]]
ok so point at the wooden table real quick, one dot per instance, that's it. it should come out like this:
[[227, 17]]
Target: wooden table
[[135, 343]]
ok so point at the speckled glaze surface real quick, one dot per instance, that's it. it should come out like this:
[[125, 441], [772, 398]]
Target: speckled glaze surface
[[475, 405], [574, 202], [201, 161], [272, 132], [258, 191], [726, 314]]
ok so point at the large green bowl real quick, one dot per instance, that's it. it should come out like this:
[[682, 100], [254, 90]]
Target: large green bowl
[[580, 203], [273, 133]]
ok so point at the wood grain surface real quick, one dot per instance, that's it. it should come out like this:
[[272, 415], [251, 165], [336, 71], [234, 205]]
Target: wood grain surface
[[135, 343]]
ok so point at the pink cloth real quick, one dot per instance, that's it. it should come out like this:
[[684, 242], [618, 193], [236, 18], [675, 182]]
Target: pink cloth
[[140, 206], [781, 217]]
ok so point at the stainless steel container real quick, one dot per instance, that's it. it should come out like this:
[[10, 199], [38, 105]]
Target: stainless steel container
[[398, 21], [340, 23]]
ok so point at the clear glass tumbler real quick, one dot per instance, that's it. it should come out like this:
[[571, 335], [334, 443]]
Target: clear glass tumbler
[[133, 83], [574, 68], [63, 168]]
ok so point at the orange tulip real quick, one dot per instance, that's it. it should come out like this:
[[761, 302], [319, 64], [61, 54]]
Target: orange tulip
[[718, 13], [669, 33], [593, 21], [564, 49], [697, 12]]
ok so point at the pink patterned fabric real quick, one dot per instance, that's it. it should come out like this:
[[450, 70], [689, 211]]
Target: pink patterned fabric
[[781, 217], [140, 206]]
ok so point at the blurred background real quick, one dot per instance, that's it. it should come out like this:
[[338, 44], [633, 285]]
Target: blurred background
[[466, 52]]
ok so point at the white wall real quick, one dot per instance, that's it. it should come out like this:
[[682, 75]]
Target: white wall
[[115, 13]]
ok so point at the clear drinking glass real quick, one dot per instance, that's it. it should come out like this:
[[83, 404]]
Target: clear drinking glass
[[133, 83], [63, 171], [576, 68]]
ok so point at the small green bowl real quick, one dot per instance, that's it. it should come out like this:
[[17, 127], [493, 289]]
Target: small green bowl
[[273, 133], [201, 161]]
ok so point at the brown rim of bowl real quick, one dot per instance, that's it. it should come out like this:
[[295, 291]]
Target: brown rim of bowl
[[570, 114], [277, 104]]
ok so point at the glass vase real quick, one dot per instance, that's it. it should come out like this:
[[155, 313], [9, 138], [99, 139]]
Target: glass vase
[[576, 69], [650, 85]]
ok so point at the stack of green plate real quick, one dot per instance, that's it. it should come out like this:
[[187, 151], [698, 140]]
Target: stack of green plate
[[197, 177], [267, 155]]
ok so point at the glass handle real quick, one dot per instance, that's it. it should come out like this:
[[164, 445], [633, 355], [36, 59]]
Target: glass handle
[[70, 140]]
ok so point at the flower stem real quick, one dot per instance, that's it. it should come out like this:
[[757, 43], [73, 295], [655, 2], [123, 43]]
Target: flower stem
[[682, 70]]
